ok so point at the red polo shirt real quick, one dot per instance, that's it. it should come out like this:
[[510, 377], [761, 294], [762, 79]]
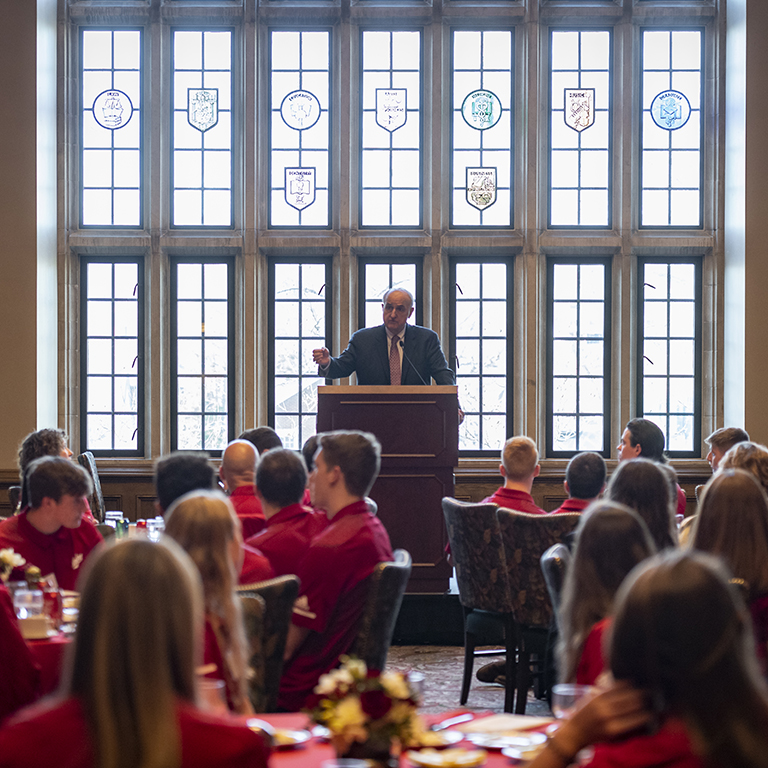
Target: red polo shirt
[[573, 505], [286, 538], [19, 674], [517, 500], [61, 553], [256, 567], [334, 586], [206, 739], [248, 509], [592, 661]]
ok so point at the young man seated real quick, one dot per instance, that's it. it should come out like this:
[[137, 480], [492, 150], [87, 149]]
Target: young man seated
[[584, 481], [280, 483], [334, 572], [183, 471], [53, 533], [519, 466]]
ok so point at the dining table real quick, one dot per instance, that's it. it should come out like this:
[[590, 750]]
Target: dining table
[[315, 751], [48, 653]]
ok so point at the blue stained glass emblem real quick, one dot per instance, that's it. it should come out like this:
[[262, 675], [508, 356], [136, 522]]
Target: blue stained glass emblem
[[112, 109], [300, 110], [670, 110], [481, 109]]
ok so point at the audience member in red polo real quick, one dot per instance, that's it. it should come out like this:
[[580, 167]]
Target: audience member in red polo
[[732, 523], [334, 572], [688, 693], [584, 481], [129, 699], [238, 473], [180, 473], [646, 487], [204, 524], [53, 533], [519, 466], [281, 479], [19, 675], [643, 438]]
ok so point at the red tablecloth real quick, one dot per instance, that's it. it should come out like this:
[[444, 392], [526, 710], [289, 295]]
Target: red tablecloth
[[314, 752], [49, 654]]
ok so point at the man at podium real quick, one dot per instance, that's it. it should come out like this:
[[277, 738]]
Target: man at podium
[[391, 353]]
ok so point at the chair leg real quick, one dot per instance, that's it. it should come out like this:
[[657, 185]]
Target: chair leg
[[469, 659], [523, 679], [510, 667]]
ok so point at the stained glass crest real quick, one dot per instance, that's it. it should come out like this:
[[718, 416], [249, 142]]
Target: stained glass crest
[[112, 109], [670, 110], [299, 187], [203, 108], [300, 110], [579, 108], [481, 109], [481, 187], [391, 111]]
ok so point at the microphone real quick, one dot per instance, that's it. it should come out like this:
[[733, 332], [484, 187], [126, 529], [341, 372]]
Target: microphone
[[402, 346]]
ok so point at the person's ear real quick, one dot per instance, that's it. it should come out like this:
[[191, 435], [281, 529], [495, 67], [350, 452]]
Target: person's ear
[[411, 312], [537, 470], [567, 489]]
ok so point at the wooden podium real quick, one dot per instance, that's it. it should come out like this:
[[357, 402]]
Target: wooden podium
[[418, 428]]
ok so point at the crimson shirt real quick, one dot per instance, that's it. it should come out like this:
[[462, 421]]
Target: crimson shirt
[[592, 661], [573, 505], [669, 747], [207, 740], [256, 567], [334, 585], [286, 538], [61, 553], [19, 674], [248, 509], [517, 500]]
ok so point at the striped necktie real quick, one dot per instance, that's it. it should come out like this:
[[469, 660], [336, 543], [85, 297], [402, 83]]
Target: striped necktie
[[394, 361]]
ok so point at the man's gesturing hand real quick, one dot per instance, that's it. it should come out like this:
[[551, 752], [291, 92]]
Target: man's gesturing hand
[[321, 356]]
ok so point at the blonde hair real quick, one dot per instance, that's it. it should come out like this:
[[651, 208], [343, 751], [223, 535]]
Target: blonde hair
[[135, 651], [204, 524], [611, 539], [751, 457], [519, 457], [732, 522]]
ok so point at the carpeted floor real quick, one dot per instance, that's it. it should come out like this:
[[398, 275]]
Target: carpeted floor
[[442, 667]]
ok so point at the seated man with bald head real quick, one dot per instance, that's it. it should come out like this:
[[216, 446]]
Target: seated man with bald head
[[238, 473]]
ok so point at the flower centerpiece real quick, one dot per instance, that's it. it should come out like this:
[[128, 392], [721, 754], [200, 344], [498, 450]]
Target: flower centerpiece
[[8, 561], [366, 711]]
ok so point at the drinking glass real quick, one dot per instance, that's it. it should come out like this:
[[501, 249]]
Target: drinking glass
[[567, 698]]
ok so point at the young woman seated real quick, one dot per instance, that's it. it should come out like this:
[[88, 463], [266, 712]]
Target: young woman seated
[[733, 523], [611, 540], [688, 693], [204, 523], [129, 690]]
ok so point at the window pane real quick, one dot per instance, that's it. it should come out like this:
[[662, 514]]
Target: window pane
[[202, 129], [578, 384], [580, 146], [671, 147], [482, 128], [299, 141], [204, 351], [671, 351], [391, 129], [482, 347], [110, 130], [113, 367], [299, 297]]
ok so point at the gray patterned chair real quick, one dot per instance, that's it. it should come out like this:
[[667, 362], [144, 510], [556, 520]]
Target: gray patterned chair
[[484, 588], [526, 537], [268, 641], [385, 595]]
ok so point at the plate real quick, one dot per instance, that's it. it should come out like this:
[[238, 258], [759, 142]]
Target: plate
[[521, 740], [437, 740], [447, 758], [321, 733], [523, 755], [284, 738]]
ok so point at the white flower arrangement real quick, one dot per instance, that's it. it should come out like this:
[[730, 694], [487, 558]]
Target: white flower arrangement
[[8, 561]]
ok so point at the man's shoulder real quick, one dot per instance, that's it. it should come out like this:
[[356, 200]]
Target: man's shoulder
[[368, 334], [9, 526]]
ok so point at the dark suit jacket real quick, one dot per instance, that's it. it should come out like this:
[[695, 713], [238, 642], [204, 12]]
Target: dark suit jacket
[[367, 354]]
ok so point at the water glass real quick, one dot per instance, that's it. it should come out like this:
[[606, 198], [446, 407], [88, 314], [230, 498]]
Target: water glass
[[567, 698], [28, 603]]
